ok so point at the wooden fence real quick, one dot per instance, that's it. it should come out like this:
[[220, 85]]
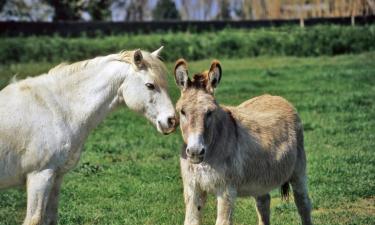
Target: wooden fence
[[108, 28]]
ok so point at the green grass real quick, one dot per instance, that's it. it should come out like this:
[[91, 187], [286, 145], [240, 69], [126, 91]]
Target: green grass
[[129, 173]]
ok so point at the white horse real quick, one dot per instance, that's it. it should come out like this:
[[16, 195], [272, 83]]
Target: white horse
[[45, 120]]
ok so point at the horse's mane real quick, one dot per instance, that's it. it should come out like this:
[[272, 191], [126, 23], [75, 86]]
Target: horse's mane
[[66, 68], [125, 56]]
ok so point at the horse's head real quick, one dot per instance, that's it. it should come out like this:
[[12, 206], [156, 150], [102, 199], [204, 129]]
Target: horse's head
[[199, 112], [145, 90]]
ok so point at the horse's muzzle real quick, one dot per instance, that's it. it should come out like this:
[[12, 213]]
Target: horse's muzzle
[[168, 126]]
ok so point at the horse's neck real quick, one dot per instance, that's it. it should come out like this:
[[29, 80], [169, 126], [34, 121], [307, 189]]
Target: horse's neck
[[89, 95]]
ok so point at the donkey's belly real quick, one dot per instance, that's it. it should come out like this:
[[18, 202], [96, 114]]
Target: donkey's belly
[[254, 189], [261, 182]]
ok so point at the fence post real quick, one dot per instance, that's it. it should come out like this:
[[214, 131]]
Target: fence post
[[301, 12]]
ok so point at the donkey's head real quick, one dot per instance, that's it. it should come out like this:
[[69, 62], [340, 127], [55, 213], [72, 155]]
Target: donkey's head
[[145, 90], [197, 107]]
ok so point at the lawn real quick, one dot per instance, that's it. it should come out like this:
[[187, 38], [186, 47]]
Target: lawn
[[129, 173]]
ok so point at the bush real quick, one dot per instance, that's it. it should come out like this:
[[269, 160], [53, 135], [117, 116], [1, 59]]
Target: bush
[[292, 40]]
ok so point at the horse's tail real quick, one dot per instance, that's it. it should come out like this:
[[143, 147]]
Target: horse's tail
[[284, 190]]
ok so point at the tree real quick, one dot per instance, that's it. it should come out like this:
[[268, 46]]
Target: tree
[[99, 9], [67, 9], [165, 9], [137, 10], [224, 13], [80, 9], [25, 10]]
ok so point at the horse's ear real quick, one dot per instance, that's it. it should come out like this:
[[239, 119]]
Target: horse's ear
[[214, 76], [138, 58], [156, 53], [181, 74]]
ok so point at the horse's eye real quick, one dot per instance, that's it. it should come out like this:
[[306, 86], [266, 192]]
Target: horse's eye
[[182, 112], [150, 86]]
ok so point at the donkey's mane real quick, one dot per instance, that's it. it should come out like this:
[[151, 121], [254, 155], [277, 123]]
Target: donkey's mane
[[200, 80]]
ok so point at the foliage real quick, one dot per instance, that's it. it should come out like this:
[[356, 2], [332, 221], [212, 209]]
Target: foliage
[[99, 9], [229, 43], [71, 10], [165, 9], [129, 173], [25, 10], [66, 9]]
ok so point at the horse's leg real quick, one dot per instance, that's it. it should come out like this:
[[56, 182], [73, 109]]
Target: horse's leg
[[263, 209], [39, 185], [225, 206], [53, 201]]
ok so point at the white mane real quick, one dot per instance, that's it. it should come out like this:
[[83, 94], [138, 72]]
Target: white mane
[[151, 62]]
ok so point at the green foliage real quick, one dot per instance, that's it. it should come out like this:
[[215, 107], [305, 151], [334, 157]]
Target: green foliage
[[129, 173], [99, 9], [164, 10], [229, 43], [70, 10], [66, 9]]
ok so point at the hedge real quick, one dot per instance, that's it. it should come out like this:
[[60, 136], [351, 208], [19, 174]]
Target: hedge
[[228, 43]]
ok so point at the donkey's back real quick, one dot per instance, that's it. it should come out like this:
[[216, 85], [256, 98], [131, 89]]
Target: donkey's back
[[280, 122], [270, 131], [272, 120]]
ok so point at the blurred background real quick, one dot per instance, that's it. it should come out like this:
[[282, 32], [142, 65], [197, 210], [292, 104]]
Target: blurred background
[[147, 10]]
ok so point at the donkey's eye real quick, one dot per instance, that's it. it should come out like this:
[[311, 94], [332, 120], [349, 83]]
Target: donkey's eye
[[182, 112], [150, 86]]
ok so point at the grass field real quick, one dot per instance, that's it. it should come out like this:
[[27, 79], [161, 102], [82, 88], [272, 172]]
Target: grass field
[[129, 173]]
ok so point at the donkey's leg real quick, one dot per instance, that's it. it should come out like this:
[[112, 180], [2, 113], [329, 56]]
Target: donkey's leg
[[263, 209], [301, 198], [39, 185], [225, 206], [194, 202], [53, 201]]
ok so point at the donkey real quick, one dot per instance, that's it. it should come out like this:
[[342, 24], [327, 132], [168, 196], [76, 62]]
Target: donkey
[[45, 120], [246, 150]]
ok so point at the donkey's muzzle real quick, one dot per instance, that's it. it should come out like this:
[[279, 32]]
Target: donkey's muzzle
[[195, 155]]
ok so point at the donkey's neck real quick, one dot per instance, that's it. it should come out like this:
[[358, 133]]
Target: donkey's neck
[[87, 96], [226, 134]]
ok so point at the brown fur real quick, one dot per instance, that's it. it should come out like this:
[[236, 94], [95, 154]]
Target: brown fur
[[250, 149]]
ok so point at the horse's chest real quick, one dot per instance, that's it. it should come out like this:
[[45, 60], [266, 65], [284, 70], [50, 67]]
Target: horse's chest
[[72, 157], [65, 148]]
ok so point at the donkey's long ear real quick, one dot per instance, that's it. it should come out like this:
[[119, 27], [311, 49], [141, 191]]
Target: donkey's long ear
[[138, 58], [214, 76], [181, 74], [156, 53]]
